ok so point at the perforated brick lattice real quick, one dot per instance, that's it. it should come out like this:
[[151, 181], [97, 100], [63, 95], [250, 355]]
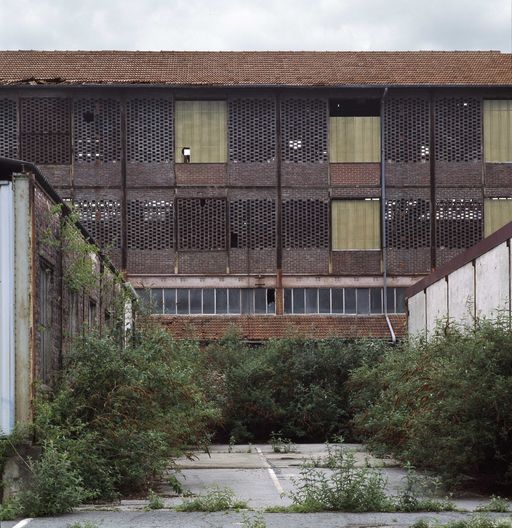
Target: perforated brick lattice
[[149, 130], [459, 223], [252, 224], [305, 224], [458, 129], [8, 129], [97, 130], [201, 223], [304, 130], [408, 224], [252, 130], [102, 218], [406, 126], [45, 130], [150, 224]]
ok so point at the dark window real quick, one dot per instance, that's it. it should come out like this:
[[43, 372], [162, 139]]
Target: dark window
[[234, 301], [182, 301], [169, 301], [354, 108], [350, 300], [247, 301], [195, 301], [221, 300], [400, 300], [391, 300], [209, 301], [376, 300], [363, 301], [311, 300], [260, 301], [298, 300], [92, 313], [288, 301], [45, 320], [337, 300]]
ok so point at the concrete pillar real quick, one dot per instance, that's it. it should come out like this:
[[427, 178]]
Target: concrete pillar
[[6, 308], [23, 296]]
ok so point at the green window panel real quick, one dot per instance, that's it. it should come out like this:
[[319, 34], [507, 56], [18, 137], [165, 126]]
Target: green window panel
[[497, 213], [498, 131], [354, 139], [202, 127], [355, 224]]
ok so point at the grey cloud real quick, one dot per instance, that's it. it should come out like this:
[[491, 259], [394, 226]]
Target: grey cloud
[[267, 24]]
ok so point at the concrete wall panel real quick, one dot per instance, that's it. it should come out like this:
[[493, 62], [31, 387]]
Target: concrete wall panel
[[492, 282], [437, 305], [461, 295], [417, 316]]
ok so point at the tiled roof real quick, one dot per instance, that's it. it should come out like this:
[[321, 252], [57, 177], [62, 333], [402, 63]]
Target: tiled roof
[[282, 68], [262, 327]]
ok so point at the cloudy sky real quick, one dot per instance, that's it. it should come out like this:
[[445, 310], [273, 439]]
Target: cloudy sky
[[256, 25]]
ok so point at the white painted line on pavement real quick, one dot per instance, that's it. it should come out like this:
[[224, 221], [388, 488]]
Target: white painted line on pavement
[[271, 472], [22, 523]]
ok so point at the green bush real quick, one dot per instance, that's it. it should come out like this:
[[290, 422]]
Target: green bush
[[294, 385], [120, 413], [55, 487], [444, 405]]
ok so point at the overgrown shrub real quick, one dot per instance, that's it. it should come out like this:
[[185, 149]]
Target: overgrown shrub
[[445, 404], [293, 385], [119, 412], [55, 487]]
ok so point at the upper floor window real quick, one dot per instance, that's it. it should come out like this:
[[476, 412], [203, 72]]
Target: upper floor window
[[354, 130], [201, 132], [355, 224], [498, 130]]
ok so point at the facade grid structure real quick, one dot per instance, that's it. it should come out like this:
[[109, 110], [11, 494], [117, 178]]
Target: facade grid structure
[[263, 172]]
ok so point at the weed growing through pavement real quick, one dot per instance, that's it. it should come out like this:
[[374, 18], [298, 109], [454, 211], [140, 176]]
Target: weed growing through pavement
[[495, 504], [347, 487], [253, 521], [175, 484], [477, 521], [155, 502], [215, 499], [86, 524], [281, 444]]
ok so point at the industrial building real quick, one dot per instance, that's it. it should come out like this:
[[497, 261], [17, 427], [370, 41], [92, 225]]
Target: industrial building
[[276, 191]]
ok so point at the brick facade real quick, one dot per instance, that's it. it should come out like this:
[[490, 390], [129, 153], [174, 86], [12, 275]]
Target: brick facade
[[276, 185]]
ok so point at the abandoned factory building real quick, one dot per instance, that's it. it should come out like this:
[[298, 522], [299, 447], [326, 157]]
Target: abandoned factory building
[[278, 191]]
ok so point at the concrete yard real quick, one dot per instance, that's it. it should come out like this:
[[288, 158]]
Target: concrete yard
[[262, 478]]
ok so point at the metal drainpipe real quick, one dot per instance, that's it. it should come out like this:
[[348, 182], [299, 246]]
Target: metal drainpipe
[[383, 216]]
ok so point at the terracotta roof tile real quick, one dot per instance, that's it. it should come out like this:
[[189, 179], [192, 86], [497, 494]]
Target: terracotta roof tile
[[285, 68], [262, 327]]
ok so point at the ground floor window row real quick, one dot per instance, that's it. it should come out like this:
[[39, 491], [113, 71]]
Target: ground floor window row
[[236, 301]]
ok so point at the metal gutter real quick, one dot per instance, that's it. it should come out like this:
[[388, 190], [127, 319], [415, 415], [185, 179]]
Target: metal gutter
[[383, 215]]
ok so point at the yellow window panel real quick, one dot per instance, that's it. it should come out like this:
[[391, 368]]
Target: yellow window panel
[[497, 213], [355, 224], [498, 131], [354, 139], [202, 127]]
